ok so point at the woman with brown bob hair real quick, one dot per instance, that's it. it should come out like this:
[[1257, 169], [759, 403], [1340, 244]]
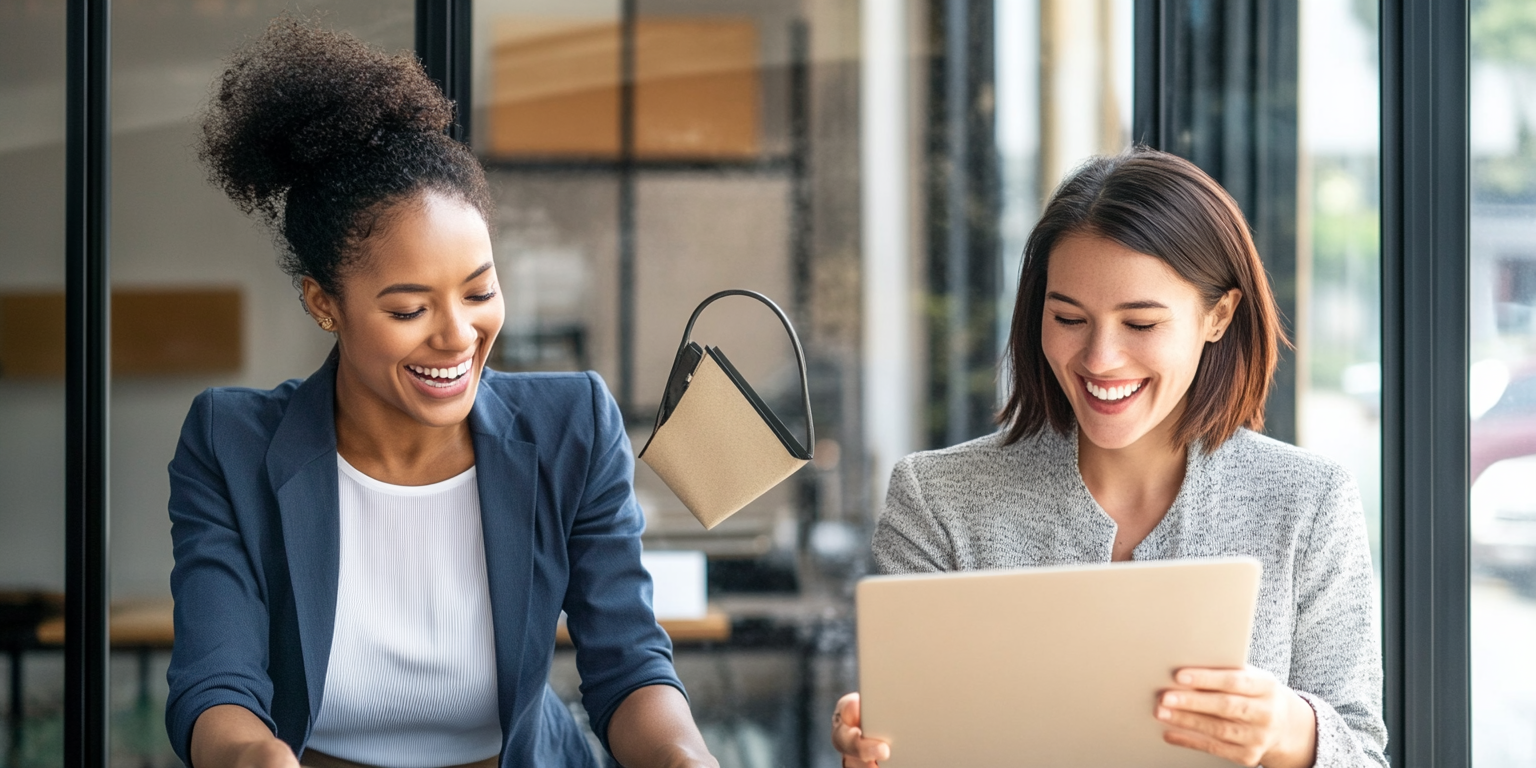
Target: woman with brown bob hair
[[1143, 342]]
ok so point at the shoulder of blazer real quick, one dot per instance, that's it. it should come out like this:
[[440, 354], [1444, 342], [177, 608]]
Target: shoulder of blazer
[[539, 402], [246, 413]]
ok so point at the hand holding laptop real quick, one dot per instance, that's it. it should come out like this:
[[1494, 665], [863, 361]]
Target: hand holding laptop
[[857, 751], [1246, 716]]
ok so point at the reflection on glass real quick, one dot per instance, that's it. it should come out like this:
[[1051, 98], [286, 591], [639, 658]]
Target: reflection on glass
[[1502, 384], [1338, 331], [31, 376]]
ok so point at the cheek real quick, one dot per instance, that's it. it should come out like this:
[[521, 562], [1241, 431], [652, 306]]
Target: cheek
[[491, 316], [1174, 359], [1057, 343], [386, 341]]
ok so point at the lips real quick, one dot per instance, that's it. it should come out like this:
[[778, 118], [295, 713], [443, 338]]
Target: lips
[[1113, 392], [1112, 397], [440, 377]]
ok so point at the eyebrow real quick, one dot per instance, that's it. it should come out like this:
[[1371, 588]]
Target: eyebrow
[[419, 288], [1142, 304]]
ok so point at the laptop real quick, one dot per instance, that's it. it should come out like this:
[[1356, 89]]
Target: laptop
[[1053, 667]]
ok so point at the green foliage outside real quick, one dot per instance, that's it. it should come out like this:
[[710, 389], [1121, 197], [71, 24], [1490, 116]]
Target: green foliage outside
[[1503, 33], [1346, 247]]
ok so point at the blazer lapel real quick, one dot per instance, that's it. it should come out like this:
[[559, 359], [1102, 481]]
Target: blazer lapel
[[507, 478], [301, 465]]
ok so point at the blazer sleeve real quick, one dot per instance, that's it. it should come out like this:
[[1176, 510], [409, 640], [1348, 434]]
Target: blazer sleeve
[[619, 645], [1336, 652], [221, 618]]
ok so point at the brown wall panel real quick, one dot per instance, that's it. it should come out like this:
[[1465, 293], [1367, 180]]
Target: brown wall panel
[[155, 332], [555, 89], [697, 89]]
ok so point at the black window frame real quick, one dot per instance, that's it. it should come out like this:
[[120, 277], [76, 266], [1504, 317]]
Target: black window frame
[[87, 579]]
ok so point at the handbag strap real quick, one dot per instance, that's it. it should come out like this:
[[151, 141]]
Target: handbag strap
[[805, 388]]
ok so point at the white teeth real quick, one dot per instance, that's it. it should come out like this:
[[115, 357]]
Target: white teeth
[[1112, 394], [441, 373]]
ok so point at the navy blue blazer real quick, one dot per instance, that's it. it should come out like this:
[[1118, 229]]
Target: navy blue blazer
[[255, 524]]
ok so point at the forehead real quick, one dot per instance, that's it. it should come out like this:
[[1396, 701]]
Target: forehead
[[1097, 270], [428, 240]]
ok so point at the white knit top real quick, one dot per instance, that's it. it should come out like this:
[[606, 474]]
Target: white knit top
[[412, 675]]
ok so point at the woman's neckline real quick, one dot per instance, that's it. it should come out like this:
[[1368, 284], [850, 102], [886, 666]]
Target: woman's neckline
[[376, 484]]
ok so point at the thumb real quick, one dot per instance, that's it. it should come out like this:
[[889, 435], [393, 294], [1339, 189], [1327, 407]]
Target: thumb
[[848, 710]]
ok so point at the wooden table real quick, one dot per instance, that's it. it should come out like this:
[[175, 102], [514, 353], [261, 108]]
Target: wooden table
[[132, 625], [714, 627], [149, 625]]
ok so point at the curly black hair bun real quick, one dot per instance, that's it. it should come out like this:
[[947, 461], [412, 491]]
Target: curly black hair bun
[[318, 134]]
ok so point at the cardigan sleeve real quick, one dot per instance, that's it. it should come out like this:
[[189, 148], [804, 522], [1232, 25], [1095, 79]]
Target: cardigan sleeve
[[1336, 652], [221, 619], [908, 537], [619, 646]]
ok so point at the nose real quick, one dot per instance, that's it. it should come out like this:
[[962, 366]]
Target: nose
[[1104, 352], [456, 332]]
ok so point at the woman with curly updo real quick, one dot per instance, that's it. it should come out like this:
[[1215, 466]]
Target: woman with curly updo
[[371, 563]]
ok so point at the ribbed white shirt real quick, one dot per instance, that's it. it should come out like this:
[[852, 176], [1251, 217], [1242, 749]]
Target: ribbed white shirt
[[412, 674]]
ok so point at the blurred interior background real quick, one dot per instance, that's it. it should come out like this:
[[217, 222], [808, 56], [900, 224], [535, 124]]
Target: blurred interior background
[[872, 166]]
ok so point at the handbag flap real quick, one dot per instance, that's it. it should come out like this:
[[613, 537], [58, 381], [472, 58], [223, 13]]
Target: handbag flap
[[780, 431]]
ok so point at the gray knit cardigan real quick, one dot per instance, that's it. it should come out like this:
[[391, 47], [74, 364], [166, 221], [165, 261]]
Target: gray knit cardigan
[[983, 504]]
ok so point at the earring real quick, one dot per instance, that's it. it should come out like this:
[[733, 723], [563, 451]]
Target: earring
[[327, 324]]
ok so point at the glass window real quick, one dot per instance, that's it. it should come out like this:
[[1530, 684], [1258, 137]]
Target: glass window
[[873, 168], [32, 405], [198, 301], [1280, 103], [1502, 383], [1338, 276]]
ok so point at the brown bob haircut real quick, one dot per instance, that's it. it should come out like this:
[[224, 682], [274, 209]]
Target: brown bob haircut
[[1162, 205]]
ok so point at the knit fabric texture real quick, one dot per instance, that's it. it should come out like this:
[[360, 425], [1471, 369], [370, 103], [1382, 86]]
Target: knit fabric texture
[[983, 504]]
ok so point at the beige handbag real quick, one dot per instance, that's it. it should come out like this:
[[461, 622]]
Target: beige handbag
[[716, 444]]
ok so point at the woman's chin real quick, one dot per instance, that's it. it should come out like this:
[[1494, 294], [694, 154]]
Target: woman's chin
[[432, 412], [1111, 436]]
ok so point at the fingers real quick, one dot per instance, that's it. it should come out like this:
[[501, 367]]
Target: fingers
[[845, 725], [1248, 681], [1230, 713], [1219, 729], [1248, 755], [847, 710], [849, 739], [851, 743], [1247, 709]]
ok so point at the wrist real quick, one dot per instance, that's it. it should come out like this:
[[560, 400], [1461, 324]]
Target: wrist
[[1297, 745]]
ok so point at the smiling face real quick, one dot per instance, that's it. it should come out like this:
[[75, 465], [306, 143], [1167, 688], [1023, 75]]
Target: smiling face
[[1124, 334], [417, 316]]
